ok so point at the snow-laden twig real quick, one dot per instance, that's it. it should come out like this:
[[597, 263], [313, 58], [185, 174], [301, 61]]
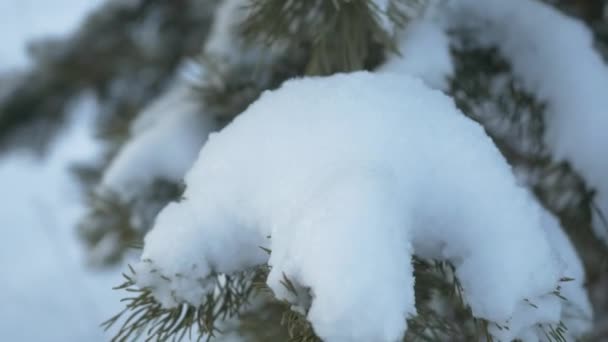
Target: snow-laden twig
[[165, 142], [350, 175]]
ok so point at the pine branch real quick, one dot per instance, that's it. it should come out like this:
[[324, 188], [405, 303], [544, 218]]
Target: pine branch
[[435, 280], [227, 91], [341, 35], [298, 327], [144, 316], [485, 89], [89, 60], [112, 226]]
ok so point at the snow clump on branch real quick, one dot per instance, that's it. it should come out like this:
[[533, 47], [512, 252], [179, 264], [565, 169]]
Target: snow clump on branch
[[344, 178]]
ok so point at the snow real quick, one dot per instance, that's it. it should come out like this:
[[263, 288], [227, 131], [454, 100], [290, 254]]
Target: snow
[[383, 17], [226, 48], [577, 310], [224, 43], [47, 293], [166, 139], [347, 176], [424, 52], [44, 280], [554, 57]]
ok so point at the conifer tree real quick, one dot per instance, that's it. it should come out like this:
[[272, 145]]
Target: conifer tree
[[531, 73]]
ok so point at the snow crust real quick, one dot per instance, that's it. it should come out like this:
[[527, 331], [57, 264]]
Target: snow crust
[[165, 142], [344, 178]]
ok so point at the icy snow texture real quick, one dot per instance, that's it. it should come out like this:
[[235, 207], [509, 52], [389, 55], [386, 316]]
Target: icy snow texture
[[166, 139], [554, 58], [350, 175]]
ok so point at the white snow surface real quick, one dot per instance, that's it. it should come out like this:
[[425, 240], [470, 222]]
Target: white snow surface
[[344, 178], [47, 292], [166, 139], [554, 57]]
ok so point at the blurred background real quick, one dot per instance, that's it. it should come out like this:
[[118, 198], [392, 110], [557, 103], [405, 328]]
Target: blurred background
[[73, 76], [47, 291]]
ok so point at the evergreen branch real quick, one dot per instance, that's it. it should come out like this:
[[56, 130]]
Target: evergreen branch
[[227, 90], [298, 327], [483, 87], [600, 214], [144, 316], [435, 280], [342, 35], [37, 102], [107, 218], [123, 223]]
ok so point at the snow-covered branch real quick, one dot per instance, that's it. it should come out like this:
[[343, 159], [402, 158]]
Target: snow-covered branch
[[347, 176]]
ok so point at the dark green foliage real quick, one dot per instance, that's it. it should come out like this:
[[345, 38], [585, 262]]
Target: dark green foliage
[[298, 328], [340, 35], [107, 225], [112, 226], [236, 86], [143, 316], [102, 56], [435, 282], [485, 90]]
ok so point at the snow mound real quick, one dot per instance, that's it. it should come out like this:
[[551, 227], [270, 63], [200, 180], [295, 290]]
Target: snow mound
[[344, 178]]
